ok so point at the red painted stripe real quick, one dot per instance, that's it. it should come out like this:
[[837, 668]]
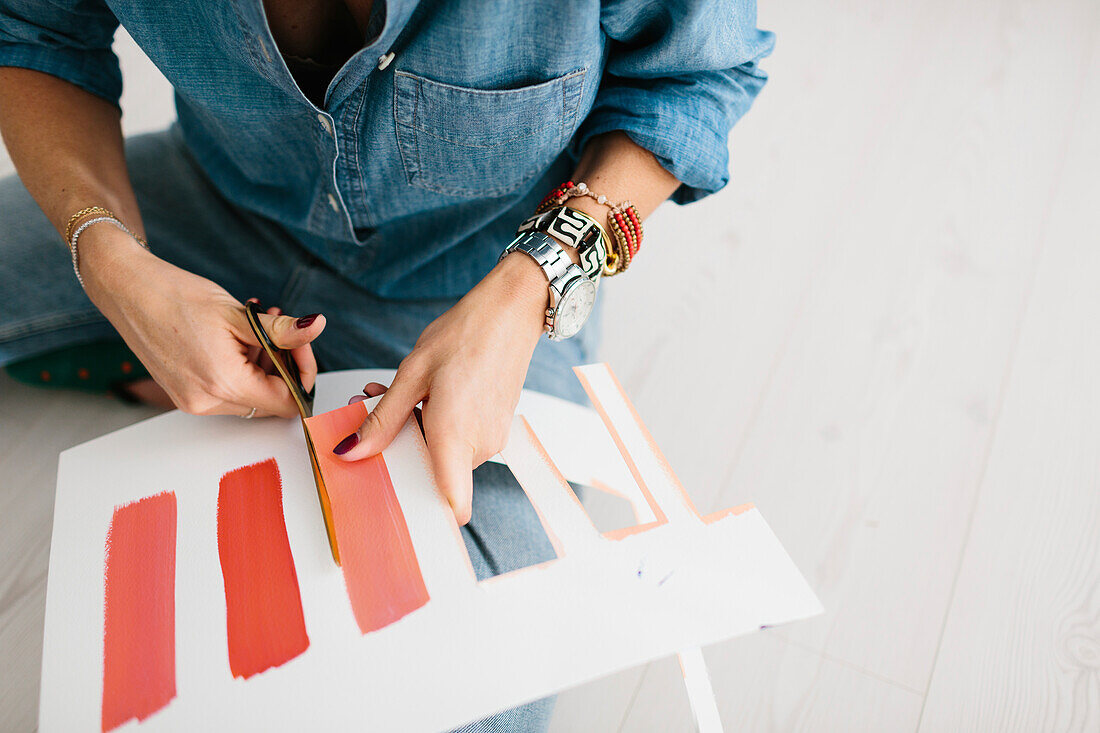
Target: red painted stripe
[[263, 606], [139, 626], [381, 573]]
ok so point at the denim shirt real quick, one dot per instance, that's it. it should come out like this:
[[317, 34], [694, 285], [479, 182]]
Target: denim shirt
[[413, 176]]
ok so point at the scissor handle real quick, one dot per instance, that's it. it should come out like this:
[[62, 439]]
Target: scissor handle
[[284, 363]]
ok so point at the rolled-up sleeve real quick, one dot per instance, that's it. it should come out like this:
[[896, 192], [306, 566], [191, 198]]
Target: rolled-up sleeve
[[69, 39], [678, 76]]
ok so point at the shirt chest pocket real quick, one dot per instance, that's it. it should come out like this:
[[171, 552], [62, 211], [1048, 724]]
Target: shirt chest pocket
[[466, 142]]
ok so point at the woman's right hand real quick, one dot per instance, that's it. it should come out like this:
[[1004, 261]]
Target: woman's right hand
[[191, 334]]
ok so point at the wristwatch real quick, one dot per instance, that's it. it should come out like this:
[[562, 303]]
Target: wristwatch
[[577, 229], [572, 293]]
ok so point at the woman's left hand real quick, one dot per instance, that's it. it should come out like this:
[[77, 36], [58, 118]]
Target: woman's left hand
[[468, 368]]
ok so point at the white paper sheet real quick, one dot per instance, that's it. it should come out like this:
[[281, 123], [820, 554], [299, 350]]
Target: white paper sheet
[[474, 648]]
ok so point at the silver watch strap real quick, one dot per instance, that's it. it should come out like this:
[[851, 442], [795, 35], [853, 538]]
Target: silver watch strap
[[576, 229], [555, 264], [544, 250]]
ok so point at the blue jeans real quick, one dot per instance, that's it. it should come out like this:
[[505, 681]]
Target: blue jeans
[[42, 308]]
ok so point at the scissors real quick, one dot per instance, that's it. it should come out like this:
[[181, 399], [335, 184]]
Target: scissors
[[288, 370]]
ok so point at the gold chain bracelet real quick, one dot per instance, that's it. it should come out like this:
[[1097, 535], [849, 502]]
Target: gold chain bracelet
[[99, 214], [99, 211]]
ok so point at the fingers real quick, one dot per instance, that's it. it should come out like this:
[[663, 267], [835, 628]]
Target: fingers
[[210, 406], [262, 359], [266, 392], [240, 379], [455, 431], [453, 464], [385, 421], [302, 355], [288, 332], [453, 458], [254, 351], [307, 365], [373, 389]]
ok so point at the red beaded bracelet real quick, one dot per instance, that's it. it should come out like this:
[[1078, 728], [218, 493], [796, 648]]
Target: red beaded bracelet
[[622, 220]]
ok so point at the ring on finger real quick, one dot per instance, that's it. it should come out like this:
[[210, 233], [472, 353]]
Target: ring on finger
[[250, 415]]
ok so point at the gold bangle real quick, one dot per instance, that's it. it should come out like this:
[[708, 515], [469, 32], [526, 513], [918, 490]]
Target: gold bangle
[[622, 254], [599, 227]]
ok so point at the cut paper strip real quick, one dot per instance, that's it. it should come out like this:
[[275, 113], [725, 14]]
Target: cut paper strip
[[575, 437], [565, 521], [381, 572], [263, 607], [658, 484], [139, 626], [700, 691]]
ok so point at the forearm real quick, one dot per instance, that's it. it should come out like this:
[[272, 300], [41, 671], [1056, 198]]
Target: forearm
[[613, 165], [66, 145]]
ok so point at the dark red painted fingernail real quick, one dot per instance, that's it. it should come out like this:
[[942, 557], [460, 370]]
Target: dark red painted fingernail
[[307, 321], [357, 398], [346, 444]]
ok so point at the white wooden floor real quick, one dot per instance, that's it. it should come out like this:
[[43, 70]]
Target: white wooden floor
[[889, 343]]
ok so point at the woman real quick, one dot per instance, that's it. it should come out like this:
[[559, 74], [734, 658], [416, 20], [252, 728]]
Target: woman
[[360, 165]]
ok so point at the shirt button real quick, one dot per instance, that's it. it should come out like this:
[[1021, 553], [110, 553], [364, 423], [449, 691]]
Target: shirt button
[[325, 123], [333, 203]]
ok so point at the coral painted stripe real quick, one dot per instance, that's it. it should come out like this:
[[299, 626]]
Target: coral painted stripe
[[731, 512], [624, 532], [139, 624], [263, 606], [381, 572]]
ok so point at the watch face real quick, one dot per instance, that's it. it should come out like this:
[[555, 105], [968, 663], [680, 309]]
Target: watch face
[[573, 308]]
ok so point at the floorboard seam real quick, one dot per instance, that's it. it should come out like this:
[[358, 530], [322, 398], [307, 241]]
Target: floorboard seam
[[633, 699], [1002, 391], [850, 665]]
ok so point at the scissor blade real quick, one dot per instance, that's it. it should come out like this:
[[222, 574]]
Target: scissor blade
[[288, 370], [322, 494]]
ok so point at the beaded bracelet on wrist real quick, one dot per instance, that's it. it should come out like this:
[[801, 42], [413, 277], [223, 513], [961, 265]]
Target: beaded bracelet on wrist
[[622, 220]]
